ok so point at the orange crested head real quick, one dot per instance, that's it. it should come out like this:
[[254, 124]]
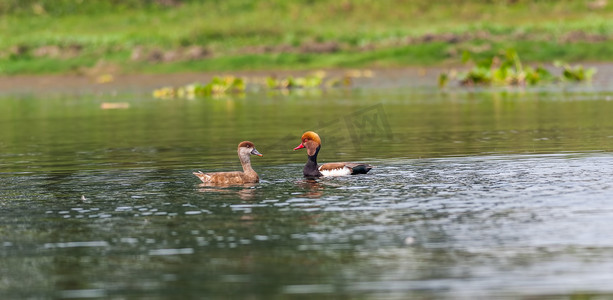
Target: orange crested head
[[311, 141], [310, 135]]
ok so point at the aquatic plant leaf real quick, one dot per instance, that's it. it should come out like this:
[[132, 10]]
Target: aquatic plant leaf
[[543, 75], [334, 82], [510, 71], [313, 81], [443, 78], [299, 82], [486, 63], [513, 57], [287, 83], [238, 84], [499, 76], [576, 73], [589, 73], [271, 83], [217, 86], [466, 57], [476, 76]]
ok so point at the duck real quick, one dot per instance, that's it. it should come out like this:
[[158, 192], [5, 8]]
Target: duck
[[312, 143], [248, 175]]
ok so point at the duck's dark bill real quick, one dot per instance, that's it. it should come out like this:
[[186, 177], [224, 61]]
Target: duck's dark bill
[[255, 152]]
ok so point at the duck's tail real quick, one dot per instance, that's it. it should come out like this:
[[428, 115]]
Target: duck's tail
[[360, 169], [204, 177]]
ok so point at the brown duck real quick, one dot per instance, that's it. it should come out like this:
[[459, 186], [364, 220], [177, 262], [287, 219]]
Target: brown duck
[[312, 142], [248, 175]]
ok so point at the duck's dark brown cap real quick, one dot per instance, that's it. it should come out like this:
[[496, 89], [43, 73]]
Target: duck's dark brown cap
[[246, 144]]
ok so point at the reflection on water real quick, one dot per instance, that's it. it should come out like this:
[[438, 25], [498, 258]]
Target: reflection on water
[[473, 195], [244, 192]]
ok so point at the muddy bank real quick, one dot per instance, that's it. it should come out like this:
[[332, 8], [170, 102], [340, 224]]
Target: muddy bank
[[139, 83], [145, 83]]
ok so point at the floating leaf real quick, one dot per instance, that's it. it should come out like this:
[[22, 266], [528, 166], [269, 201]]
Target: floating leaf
[[217, 86], [466, 57], [271, 83], [510, 71], [577, 73], [443, 78]]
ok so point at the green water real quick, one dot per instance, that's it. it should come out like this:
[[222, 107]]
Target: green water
[[474, 194], [74, 133]]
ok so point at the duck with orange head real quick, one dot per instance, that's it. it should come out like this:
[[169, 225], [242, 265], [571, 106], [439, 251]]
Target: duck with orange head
[[312, 143], [248, 175]]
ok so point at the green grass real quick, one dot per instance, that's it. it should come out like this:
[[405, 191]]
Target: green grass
[[109, 31]]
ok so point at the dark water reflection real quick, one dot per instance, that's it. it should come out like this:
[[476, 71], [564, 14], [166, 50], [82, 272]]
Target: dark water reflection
[[474, 195]]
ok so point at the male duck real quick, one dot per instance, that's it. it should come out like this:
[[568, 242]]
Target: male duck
[[312, 142], [248, 175]]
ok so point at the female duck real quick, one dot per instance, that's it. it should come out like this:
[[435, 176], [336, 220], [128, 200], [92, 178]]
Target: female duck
[[248, 175], [312, 142]]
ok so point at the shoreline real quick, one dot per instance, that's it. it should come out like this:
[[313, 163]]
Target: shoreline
[[146, 82]]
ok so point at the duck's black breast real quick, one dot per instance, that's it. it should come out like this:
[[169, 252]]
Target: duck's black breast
[[310, 168]]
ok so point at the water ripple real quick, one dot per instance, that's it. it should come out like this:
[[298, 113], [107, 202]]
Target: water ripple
[[450, 226]]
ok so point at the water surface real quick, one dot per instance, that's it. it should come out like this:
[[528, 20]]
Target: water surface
[[475, 194]]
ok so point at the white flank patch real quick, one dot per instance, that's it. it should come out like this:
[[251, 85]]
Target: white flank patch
[[336, 172]]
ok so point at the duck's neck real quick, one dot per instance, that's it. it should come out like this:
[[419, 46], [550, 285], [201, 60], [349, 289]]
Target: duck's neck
[[246, 163], [310, 168]]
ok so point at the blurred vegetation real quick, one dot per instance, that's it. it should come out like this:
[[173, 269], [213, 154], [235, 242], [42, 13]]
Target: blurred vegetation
[[216, 87], [508, 70], [107, 36], [220, 87]]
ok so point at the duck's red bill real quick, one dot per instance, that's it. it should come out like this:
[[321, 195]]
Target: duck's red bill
[[299, 147]]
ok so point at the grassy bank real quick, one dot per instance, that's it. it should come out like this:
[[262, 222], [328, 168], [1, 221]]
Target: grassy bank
[[95, 36]]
